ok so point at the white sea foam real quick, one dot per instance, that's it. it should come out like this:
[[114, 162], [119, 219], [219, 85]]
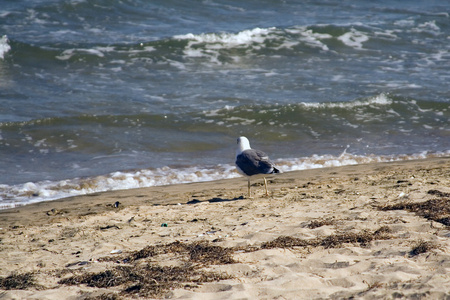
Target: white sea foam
[[381, 99], [212, 43], [98, 51], [231, 39], [354, 39], [378, 101], [429, 27], [4, 46], [216, 112], [387, 34], [254, 39], [405, 23], [309, 37], [31, 192]]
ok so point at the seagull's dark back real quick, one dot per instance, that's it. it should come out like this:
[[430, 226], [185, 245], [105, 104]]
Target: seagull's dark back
[[253, 162]]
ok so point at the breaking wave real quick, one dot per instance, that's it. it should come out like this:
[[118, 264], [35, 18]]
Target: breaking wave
[[4, 46], [31, 192]]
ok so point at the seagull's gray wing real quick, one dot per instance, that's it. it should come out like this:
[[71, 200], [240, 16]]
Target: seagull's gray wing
[[252, 162]]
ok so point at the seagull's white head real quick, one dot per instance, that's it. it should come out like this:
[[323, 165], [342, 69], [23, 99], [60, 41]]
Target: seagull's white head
[[242, 144]]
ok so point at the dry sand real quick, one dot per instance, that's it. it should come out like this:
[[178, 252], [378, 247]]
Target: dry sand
[[376, 231]]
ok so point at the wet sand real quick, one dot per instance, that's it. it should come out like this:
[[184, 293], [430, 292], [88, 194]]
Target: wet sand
[[375, 231]]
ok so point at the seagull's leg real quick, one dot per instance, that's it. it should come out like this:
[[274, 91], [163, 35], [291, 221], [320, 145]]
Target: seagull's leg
[[265, 184], [249, 194]]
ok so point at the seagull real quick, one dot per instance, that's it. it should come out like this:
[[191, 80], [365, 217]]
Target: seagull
[[251, 162]]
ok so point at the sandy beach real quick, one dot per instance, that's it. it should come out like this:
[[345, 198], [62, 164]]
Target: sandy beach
[[375, 231]]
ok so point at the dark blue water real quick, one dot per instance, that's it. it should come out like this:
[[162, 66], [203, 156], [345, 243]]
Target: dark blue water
[[98, 95]]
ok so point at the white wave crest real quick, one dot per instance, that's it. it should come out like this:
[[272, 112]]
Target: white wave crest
[[381, 99], [245, 37], [4, 46], [309, 37], [212, 43], [99, 51], [354, 39], [209, 44], [428, 27]]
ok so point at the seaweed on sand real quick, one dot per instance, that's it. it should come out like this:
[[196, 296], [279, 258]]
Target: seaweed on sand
[[201, 252], [18, 281], [149, 280], [320, 222], [146, 280], [421, 247], [435, 209], [362, 238]]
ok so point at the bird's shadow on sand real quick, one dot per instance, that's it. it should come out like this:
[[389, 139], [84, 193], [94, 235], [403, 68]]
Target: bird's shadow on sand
[[215, 200]]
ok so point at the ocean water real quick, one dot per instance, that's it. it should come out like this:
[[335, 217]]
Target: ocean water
[[100, 95]]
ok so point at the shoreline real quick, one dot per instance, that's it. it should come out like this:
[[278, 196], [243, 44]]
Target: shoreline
[[26, 193], [60, 239]]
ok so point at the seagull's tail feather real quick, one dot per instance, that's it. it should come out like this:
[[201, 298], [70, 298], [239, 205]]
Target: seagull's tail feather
[[275, 171]]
